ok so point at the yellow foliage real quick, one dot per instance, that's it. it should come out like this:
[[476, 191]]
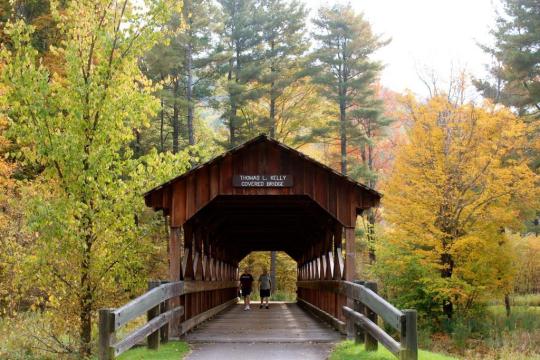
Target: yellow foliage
[[458, 183]]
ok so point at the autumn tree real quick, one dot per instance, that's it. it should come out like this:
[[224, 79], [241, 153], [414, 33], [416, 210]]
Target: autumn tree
[[458, 183], [77, 127], [345, 42]]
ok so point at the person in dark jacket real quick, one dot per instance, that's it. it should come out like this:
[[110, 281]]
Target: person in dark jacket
[[246, 282]]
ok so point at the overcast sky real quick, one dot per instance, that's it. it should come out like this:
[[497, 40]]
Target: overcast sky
[[426, 33]]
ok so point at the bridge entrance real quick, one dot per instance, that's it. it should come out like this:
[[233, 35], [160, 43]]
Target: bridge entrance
[[260, 196]]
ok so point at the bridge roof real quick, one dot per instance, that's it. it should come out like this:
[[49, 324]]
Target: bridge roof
[[184, 196]]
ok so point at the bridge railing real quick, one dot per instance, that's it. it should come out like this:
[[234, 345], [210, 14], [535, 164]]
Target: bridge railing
[[361, 313], [162, 303]]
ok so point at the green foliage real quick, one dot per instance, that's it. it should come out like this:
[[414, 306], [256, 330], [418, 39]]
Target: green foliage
[[345, 42], [516, 72], [184, 67], [347, 350], [84, 209], [173, 350], [242, 65]]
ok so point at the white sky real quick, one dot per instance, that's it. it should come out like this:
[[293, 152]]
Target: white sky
[[436, 34]]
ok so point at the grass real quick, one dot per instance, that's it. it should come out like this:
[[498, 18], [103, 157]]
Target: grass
[[173, 350], [347, 350]]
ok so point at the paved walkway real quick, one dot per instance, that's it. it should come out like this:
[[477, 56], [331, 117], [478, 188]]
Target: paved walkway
[[284, 331]]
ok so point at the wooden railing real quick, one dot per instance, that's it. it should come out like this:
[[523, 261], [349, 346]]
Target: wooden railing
[[361, 313], [156, 303]]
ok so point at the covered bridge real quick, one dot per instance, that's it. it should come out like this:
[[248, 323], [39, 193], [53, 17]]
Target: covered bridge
[[262, 196]]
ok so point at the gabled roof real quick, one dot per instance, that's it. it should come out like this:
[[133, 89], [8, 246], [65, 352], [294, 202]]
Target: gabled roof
[[259, 139]]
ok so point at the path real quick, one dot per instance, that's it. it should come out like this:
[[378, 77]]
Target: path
[[283, 332]]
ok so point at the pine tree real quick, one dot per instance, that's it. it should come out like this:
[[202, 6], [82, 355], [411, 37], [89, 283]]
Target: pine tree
[[344, 43], [283, 35], [242, 48], [185, 68], [516, 70]]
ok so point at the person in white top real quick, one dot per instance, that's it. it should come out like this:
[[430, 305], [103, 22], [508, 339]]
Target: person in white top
[[265, 284]]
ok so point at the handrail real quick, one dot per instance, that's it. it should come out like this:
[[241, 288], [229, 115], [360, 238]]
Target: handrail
[[372, 300], [145, 302], [368, 304], [152, 303]]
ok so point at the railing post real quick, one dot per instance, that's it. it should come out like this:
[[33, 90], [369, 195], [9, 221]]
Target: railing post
[[164, 307], [360, 308], [153, 338], [370, 341], [106, 334], [409, 337]]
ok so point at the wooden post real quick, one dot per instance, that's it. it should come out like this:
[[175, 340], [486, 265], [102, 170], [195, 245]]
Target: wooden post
[[163, 308], [175, 274], [409, 336], [370, 341], [106, 334], [350, 266], [360, 308], [350, 275], [153, 338]]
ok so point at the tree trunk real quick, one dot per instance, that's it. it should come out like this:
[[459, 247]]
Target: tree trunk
[[161, 127], [272, 96], [446, 272], [86, 302], [176, 120], [273, 260], [507, 305], [343, 134], [232, 115], [189, 70]]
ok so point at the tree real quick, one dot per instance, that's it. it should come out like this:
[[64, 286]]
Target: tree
[[516, 70], [458, 183], [241, 45], [77, 127], [185, 67], [344, 43], [283, 33]]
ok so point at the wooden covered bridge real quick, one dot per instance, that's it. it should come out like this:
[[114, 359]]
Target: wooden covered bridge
[[260, 196]]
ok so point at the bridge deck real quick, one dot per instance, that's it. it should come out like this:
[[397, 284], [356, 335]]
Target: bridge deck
[[282, 323]]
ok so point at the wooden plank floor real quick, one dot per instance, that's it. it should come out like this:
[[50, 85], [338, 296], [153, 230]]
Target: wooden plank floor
[[283, 322]]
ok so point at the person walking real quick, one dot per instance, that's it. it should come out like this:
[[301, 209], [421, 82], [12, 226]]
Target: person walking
[[246, 281], [265, 284]]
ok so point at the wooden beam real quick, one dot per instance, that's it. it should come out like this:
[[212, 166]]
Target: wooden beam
[[323, 315], [197, 319], [374, 330], [350, 255]]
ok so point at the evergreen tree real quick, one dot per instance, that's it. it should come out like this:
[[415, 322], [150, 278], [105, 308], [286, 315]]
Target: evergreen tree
[[344, 43], [516, 72], [184, 67], [242, 48], [283, 35]]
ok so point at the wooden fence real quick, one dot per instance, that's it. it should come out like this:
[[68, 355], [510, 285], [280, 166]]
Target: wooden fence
[[361, 313], [162, 303]]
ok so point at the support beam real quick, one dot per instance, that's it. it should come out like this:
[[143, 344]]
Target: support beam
[[350, 265]]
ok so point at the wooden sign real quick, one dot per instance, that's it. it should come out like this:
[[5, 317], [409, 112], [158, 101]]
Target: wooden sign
[[262, 180]]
